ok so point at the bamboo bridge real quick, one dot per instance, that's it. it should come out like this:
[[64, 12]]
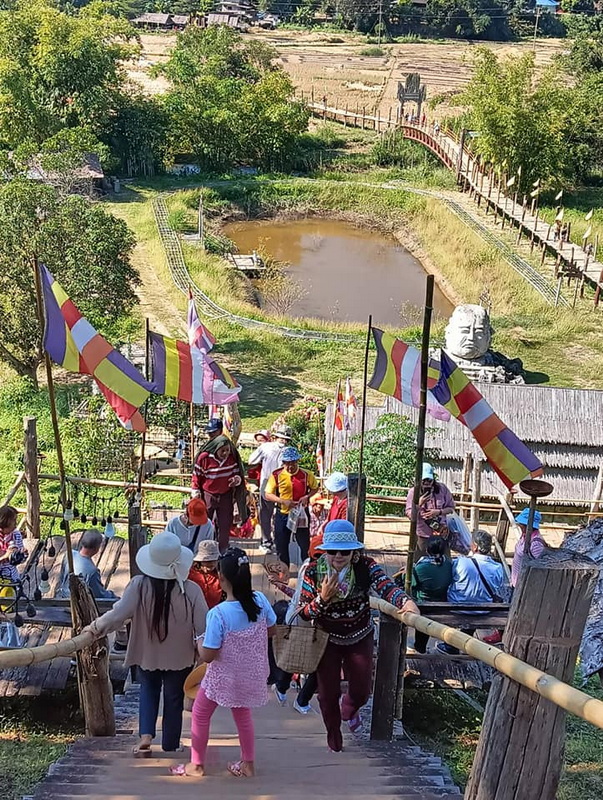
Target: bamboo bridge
[[572, 261]]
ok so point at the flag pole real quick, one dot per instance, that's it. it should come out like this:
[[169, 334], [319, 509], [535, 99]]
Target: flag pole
[[53, 412], [333, 425], [144, 433], [412, 542], [192, 433], [364, 390]]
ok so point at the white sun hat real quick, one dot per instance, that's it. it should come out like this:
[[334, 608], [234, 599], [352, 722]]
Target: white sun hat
[[165, 558]]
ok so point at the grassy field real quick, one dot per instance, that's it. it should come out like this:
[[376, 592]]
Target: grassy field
[[447, 725]]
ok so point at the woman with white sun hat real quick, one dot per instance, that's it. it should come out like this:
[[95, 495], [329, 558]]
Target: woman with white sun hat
[[167, 614]]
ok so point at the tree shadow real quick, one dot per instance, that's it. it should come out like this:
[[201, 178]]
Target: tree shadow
[[266, 392]]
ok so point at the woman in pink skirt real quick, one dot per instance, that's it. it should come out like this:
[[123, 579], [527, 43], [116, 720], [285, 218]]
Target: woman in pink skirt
[[235, 647]]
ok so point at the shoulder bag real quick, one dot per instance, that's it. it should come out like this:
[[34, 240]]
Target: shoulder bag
[[298, 648], [494, 596]]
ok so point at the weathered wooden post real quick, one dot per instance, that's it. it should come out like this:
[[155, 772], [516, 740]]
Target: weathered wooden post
[[385, 693], [466, 482], [93, 665], [520, 751], [357, 502], [32, 486], [137, 535], [476, 495]]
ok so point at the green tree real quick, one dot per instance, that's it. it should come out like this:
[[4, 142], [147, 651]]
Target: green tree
[[389, 455], [537, 122], [229, 103], [85, 248], [59, 71]]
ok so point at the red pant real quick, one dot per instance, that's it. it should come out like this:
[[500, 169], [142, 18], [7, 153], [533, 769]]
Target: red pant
[[357, 663], [220, 509]]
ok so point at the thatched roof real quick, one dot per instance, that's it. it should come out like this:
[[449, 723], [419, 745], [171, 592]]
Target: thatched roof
[[563, 427], [153, 19], [180, 19]]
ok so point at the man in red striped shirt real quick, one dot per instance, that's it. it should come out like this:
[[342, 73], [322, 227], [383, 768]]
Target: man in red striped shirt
[[217, 474]]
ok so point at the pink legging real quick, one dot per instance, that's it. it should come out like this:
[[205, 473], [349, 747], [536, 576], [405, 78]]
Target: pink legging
[[203, 710]]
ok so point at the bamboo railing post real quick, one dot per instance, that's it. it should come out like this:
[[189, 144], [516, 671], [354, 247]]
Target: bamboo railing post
[[32, 485], [476, 493], [137, 534], [357, 502], [93, 665], [466, 480], [547, 635]]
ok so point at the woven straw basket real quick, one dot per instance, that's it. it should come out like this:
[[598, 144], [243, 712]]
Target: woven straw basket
[[298, 648]]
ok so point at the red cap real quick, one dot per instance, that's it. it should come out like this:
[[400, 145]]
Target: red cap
[[196, 511]]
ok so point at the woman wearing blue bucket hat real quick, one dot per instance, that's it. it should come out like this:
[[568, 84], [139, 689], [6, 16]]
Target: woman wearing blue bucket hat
[[336, 595], [537, 543]]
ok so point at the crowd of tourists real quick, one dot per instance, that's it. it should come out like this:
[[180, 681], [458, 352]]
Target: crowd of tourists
[[198, 627]]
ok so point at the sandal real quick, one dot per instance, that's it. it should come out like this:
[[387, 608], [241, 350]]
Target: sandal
[[355, 723], [236, 769], [142, 751], [180, 769]]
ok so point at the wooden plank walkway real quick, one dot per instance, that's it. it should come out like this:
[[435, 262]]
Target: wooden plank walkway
[[483, 186]]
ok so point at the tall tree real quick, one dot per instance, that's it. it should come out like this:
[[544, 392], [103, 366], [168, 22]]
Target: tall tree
[[87, 250]]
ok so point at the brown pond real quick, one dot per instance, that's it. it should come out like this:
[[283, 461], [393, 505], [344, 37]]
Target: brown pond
[[347, 272]]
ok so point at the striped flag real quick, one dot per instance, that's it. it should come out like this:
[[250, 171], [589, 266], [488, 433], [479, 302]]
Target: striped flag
[[320, 462], [198, 335], [397, 372], [72, 343], [350, 405], [190, 374], [507, 455], [339, 409]]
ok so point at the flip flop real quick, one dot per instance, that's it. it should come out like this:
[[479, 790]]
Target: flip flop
[[142, 751], [355, 723], [236, 769], [177, 769]]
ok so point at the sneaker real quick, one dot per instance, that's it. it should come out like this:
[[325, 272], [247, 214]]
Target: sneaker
[[282, 698], [446, 649], [302, 709], [266, 548]]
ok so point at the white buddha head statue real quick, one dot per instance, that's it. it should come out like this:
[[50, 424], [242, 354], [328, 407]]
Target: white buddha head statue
[[468, 333]]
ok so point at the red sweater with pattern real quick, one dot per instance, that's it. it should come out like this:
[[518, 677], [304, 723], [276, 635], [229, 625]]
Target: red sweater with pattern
[[212, 475]]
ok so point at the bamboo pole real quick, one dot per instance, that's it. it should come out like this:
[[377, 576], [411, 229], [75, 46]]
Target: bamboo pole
[[561, 694], [332, 441], [364, 393], [429, 285], [122, 484], [53, 414]]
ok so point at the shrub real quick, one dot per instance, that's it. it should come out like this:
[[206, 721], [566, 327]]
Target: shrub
[[372, 52], [306, 418]]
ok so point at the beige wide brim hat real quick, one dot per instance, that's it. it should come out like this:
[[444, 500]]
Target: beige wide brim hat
[[193, 681], [165, 558]]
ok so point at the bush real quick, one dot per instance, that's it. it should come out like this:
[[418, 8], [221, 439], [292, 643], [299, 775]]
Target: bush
[[373, 52], [306, 418]]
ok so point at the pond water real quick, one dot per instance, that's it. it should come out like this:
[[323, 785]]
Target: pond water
[[347, 272]]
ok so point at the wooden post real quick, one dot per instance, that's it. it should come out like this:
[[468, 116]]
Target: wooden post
[[466, 480], [387, 669], [93, 665], [137, 534], [598, 490], [412, 541], [32, 487], [357, 502], [476, 493], [546, 634]]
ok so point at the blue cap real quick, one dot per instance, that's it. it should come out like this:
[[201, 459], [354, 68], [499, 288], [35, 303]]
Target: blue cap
[[522, 518], [340, 535], [214, 425], [427, 472], [290, 454]]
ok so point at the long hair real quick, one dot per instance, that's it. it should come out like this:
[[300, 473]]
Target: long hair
[[161, 591], [436, 549], [234, 567]]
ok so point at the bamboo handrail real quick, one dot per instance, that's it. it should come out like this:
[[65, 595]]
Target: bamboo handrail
[[123, 484], [561, 694], [25, 656]]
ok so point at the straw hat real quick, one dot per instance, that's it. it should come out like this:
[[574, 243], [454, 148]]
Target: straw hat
[[207, 550], [193, 680], [340, 535], [165, 558]]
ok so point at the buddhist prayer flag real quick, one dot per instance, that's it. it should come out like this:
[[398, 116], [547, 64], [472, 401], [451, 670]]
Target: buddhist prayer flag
[[72, 343], [339, 409], [198, 335], [351, 405], [559, 195], [588, 232], [536, 184], [190, 374], [507, 455], [560, 215], [511, 181], [320, 462], [589, 216], [397, 372], [535, 193]]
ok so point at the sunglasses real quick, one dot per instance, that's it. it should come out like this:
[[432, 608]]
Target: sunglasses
[[338, 552]]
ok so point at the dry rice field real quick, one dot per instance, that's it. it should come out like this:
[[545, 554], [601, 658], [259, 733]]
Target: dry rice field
[[332, 65]]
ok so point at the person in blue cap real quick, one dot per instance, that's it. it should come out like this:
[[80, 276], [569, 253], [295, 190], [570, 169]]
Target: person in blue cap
[[537, 543], [336, 596], [435, 503], [291, 487]]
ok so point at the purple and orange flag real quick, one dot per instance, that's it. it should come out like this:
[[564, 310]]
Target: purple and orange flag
[[72, 343]]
